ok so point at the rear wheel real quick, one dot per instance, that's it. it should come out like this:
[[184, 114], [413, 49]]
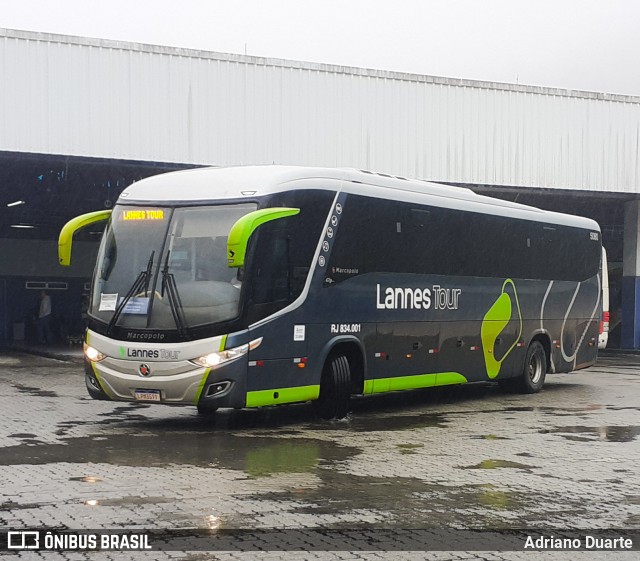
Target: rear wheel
[[335, 388], [535, 369]]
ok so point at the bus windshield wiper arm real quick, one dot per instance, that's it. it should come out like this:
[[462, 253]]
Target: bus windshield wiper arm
[[169, 284], [142, 282]]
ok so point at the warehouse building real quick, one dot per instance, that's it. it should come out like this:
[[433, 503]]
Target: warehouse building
[[82, 118]]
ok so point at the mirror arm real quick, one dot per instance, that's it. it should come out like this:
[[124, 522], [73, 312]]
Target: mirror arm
[[241, 231], [65, 239]]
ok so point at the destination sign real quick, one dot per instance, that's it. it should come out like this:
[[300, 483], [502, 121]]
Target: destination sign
[[143, 214]]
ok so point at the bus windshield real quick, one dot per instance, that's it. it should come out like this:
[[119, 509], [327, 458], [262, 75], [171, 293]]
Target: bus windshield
[[166, 268]]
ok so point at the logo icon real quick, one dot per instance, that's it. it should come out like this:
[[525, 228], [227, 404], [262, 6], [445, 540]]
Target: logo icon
[[144, 370], [23, 540]]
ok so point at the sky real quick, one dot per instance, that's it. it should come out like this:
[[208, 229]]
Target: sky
[[573, 44]]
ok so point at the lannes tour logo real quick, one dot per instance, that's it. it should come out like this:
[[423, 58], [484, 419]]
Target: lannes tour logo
[[439, 298]]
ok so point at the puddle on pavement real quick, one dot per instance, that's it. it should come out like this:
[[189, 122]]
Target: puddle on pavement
[[39, 392], [492, 497], [86, 479], [594, 434], [390, 423], [409, 448], [256, 456], [9, 361], [10, 505], [498, 464], [136, 500], [489, 437], [402, 501]]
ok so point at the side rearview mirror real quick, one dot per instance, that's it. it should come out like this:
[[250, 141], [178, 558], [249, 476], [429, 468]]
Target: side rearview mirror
[[65, 239], [241, 231]]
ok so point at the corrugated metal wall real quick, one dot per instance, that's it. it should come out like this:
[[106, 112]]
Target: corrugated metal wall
[[89, 97]]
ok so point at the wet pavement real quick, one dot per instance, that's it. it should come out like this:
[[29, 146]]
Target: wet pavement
[[469, 457]]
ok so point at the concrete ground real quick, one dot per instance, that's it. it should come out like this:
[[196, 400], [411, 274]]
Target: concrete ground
[[436, 462]]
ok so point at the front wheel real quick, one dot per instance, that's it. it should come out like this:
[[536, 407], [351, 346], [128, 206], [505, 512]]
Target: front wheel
[[535, 369], [206, 410], [335, 389]]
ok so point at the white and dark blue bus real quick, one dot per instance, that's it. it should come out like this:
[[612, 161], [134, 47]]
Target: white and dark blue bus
[[253, 286]]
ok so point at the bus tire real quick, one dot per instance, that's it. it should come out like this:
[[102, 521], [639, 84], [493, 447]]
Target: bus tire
[[206, 410], [535, 369], [335, 388]]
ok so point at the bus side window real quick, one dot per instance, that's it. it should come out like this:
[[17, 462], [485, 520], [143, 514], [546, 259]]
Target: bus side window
[[269, 282], [271, 276]]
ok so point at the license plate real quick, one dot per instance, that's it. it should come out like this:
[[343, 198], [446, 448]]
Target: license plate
[[147, 395]]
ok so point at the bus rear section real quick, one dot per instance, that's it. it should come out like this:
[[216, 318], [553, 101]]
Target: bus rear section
[[603, 336]]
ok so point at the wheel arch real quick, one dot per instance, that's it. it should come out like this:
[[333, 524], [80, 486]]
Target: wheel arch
[[544, 339], [353, 349]]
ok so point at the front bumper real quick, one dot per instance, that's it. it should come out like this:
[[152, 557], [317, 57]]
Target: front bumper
[[173, 382]]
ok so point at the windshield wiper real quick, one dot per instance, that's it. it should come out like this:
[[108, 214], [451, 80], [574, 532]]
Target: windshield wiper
[[142, 282], [169, 284]]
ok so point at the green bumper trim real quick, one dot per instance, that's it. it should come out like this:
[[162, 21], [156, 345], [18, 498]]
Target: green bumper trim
[[282, 395], [95, 372], [241, 231], [223, 342], [65, 239], [201, 386], [399, 383]]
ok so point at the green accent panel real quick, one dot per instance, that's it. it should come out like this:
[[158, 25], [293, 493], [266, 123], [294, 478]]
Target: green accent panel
[[95, 371], [450, 379], [284, 395], [223, 343], [412, 382], [493, 323], [398, 383], [241, 231], [65, 239], [201, 386]]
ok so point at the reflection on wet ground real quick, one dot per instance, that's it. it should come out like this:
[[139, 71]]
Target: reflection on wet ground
[[252, 454], [588, 434], [495, 464]]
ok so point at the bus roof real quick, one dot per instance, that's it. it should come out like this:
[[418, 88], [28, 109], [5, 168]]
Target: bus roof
[[251, 182]]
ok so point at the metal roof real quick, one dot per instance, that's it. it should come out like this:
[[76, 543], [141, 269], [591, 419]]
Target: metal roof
[[88, 97]]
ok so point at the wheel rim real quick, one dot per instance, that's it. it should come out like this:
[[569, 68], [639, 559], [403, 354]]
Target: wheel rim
[[535, 368]]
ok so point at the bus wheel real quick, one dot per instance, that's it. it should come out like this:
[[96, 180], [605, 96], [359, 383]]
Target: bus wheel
[[335, 389], [535, 369], [206, 410]]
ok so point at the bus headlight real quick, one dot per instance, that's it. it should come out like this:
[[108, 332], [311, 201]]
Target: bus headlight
[[94, 355], [213, 360]]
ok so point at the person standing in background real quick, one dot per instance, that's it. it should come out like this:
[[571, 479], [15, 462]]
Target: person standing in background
[[44, 319]]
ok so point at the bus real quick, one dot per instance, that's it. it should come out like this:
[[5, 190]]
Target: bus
[[254, 286]]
